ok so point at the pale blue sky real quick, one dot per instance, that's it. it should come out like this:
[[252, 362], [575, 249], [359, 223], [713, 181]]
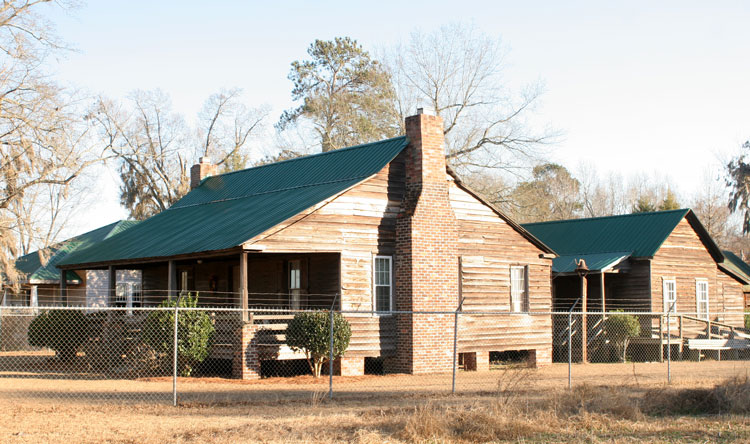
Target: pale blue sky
[[633, 86]]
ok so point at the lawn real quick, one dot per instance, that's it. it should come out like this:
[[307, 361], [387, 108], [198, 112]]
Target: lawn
[[611, 403]]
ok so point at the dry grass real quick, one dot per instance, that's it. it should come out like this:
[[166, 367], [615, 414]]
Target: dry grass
[[517, 405]]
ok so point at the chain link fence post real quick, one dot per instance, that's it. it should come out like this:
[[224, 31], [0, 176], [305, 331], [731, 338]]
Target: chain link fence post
[[455, 349], [330, 360], [174, 354], [570, 350]]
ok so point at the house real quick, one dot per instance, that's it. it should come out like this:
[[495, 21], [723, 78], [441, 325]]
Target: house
[[741, 268], [369, 230], [40, 285], [649, 262]]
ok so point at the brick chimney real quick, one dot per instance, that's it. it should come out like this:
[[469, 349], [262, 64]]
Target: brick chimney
[[426, 263], [204, 168]]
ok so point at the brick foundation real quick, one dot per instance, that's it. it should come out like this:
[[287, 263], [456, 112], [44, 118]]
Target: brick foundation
[[246, 363], [476, 361], [349, 366]]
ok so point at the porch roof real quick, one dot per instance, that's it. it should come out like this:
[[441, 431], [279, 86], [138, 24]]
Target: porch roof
[[738, 267], [594, 262], [36, 271], [229, 209]]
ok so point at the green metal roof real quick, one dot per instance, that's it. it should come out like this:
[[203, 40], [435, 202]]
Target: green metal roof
[[737, 266], [229, 209], [594, 262], [641, 234], [31, 264]]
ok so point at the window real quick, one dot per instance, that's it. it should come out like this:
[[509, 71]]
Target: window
[[382, 283], [295, 284], [184, 282], [669, 288], [128, 294], [701, 298], [519, 289]]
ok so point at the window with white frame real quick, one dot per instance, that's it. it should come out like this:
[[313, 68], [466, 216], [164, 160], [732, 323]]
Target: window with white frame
[[382, 283], [701, 298], [295, 284], [519, 289], [128, 294], [669, 290]]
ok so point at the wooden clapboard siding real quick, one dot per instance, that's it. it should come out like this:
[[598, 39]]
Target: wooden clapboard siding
[[359, 224], [732, 300], [684, 257], [630, 290], [488, 247]]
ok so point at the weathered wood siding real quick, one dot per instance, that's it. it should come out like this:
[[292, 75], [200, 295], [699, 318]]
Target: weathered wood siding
[[630, 290], [732, 299], [684, 258], [488, 247], [359, 224]]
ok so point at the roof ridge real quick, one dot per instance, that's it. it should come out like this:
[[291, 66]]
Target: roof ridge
[[613, 216], [346, 148]]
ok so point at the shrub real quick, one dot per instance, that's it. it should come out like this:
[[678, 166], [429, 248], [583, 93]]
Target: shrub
[[310, 332], [620, 328], [64, 331], [194, 333]]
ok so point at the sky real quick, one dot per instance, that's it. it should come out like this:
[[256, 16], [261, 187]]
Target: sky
[[630, 86]]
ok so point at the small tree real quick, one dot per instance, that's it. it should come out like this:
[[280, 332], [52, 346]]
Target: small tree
[[620, 328], [194, 333], [64, 331], [310, 332]]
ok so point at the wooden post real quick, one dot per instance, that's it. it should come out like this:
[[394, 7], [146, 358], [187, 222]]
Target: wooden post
[[584, 323], [63, 288], [243, 286], [171, 279], [604, 299], [112, 283]]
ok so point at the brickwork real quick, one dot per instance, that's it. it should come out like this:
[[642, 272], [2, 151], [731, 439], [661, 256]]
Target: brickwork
[[349, 366], [540, 357], [426, 263], [246, 363]]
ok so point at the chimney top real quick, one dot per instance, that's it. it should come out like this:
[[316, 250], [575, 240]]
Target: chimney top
[[204, 160], [420, 111]]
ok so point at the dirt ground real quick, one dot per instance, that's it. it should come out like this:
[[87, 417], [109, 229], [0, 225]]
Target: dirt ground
[[507, 405]]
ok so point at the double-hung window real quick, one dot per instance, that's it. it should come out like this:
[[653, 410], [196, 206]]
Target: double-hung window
[[669, 289], [128, 295], [701, 298], [295, 284], [519, 289], [383, 283]]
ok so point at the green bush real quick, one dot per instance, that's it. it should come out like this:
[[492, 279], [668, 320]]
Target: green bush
[[194, 333], [620, 328], [310, 332], [64, 331]]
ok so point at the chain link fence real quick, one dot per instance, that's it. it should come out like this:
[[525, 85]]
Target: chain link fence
[[178, 352]]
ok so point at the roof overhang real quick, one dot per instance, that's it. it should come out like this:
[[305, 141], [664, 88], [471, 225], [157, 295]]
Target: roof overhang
[[596, 262]]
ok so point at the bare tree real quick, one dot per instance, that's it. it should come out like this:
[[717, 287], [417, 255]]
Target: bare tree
[[42, 139], [710, 205], [155, 147], [456, 71], [226, 124]]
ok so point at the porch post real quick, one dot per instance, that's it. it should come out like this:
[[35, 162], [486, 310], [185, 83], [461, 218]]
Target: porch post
[[171, 279], [112, 283], [63, 288], [584, 323], [243, 286]]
